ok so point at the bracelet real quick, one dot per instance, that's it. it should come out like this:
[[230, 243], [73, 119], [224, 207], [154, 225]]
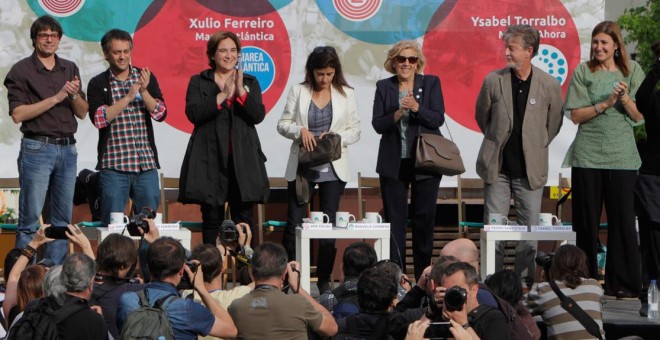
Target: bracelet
[[73, 97], [626, 103], [29, 252], [466, 325], [598, 112]]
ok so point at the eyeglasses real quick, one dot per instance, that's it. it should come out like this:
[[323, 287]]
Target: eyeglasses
[[45, 36], [401, 59], [322, 49]]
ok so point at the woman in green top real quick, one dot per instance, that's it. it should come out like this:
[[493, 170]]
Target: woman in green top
[[604, 157]]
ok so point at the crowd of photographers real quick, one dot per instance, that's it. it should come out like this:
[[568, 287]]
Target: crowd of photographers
[[102, 293]]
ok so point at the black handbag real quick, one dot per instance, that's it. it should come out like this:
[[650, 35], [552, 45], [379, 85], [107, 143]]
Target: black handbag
[[328, 149], [438, 155]]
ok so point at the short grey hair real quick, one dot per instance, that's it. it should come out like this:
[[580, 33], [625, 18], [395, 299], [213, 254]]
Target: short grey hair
[[77, 272], [529, 36], [52, 285]]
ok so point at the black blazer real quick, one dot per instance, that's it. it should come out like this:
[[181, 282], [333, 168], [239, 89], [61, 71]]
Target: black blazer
[[428, 119]]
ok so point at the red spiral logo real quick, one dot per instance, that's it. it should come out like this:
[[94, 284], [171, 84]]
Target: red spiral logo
[[357, 10], [61, 8]]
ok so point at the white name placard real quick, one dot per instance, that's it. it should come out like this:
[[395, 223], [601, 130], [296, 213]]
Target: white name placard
[[317, 226], [489, 227], [368, 226], [560, 228], [163, 226]]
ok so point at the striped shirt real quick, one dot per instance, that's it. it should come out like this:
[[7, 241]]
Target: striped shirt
[[128, 146], [562, 325]]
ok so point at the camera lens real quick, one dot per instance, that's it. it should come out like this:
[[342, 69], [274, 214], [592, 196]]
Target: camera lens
[[455, 298]]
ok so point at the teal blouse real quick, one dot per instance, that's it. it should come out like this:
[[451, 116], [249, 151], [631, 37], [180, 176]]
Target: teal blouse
[[605, 141]]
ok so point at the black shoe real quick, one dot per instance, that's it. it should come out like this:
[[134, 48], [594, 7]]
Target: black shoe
[[623, 295], [324, 286], [644, 310]]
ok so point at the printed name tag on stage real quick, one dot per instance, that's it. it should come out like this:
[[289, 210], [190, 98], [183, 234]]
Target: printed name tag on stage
[[164, 226], [559, 228], [490, 227], [368, 226], [317, 226]]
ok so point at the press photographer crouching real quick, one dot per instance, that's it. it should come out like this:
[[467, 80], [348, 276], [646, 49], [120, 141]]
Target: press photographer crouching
[[458, 296], [569, 270], [234, 245], [116, 260], [211, 260]]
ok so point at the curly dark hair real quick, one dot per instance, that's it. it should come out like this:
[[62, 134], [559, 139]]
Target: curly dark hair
[[376, 290]]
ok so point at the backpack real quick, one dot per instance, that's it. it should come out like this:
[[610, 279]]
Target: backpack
[[348, 303], [148, 322], [522, 328], [40, 319]]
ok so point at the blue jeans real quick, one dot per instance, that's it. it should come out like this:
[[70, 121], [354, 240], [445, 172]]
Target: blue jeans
[[41, 165], [117, 186], [528, 206]]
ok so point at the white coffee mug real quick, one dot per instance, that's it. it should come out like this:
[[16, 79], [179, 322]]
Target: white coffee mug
[[497, 219], [343, 218], [159, 218], [547, 219], [319, 217], [372, 217], [118, 218]]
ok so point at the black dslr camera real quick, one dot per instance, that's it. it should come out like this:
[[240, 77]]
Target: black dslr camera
[[228, 232], [137, 221], [455, 298], [185, 280], [544, 260]]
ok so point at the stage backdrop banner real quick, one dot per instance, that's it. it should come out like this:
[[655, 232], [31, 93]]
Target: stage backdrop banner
[[462, 42]]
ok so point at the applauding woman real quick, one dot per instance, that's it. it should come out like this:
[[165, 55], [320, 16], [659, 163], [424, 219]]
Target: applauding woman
[[406, 105], [323, 103], [604, 158], [224, 162]]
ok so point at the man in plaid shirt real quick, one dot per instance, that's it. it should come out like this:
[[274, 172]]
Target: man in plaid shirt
[[123, 101]]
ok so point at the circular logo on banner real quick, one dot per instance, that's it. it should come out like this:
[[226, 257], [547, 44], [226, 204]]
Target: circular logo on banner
[[551, 60], [173, 45], [258, 63], [357, 10], [89, 20], [61, 8], [466, 44], [382, 22]]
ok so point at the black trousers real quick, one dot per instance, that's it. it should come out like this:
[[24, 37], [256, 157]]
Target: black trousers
[[649, 229], [329, 196], [213, 215], [423, 196], [614, 188]]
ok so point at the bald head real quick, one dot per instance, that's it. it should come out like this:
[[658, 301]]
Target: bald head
[[464, 250]]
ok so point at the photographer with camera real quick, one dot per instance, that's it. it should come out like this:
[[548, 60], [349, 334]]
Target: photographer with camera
[[459, 304], [116, 260], [234, 246], [167, 264], [269, 313], [569, 269]]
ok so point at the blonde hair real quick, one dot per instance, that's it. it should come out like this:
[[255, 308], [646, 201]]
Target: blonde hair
[[400, 46]]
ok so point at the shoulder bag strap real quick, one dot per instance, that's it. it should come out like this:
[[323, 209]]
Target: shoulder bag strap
[[576, 311]]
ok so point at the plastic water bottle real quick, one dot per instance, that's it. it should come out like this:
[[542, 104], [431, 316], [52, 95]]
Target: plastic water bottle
[[653, 300]]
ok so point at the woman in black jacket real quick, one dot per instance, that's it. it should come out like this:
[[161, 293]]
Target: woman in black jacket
[[224, 162], [647, 187]]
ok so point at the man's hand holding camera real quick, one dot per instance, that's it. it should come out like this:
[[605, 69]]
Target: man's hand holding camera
[[152, 233], [293, 275], [196, 275]]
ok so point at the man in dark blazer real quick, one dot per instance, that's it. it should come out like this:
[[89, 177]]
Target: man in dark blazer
[[123, 100], [519, 111]]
